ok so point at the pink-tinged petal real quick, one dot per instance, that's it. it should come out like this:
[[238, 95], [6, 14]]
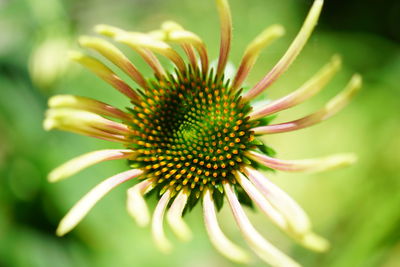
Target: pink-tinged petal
[[165, 34], [265, 206], [304, 165], [217, 237], [87, 104], [106, 74], [226, 34], [190, 54], [330, 109], [136, 204], [85, 204], [202, 50], [253, 50], [291, 54], [141, 40], [77, 164], [152, 61], [264, 249], [198, 44], [183, 36], [174, 217], [157, 224], [297, 218], [145, 53], [309, 89], [176, 33], [113, 54], [299, 223]]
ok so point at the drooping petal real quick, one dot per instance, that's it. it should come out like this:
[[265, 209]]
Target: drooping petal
[[291, 54], [304, 165], [85, 204], [157, 224], [226, 34], [299, 223], [87, 104], [174, 217], [113, 54], [253, 50], [297, 218], [142, 40], [145, 53], [164, 34], [136, 204], [261, 202], [77, 164], [330, 109], [260, 245], [105, 73], [176, 33], [309, 89], [152, 60], [196, 42], [217, 237]]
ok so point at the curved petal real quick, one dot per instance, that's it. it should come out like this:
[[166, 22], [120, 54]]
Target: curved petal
[[157, 224], [291, 54], [145, 53], [330, 109], [174, 217], [309, 89], [299, 223], [136, 204], [75, 118], [260, 245], [77, 164], [304, 165], [142, 40], [265, 206], [217, 237], [226, 34], [87, 104], [297, 218], [85, 204], [176, 33], [253, 50], [105, 73], [85, 123], [115, 55]]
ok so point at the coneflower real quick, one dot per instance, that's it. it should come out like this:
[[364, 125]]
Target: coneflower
[[191, 136]]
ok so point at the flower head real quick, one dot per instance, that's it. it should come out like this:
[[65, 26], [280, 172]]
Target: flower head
[[191, 136]]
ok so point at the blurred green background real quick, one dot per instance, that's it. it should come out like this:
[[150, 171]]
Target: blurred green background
[[357, 208]]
